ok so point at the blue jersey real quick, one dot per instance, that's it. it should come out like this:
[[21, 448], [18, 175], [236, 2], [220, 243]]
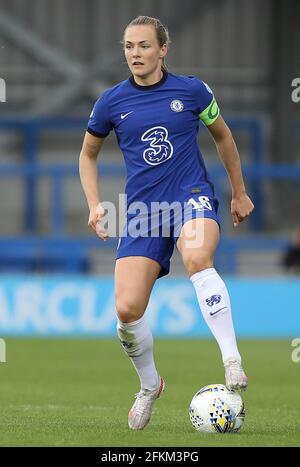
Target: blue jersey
[[156, 128]]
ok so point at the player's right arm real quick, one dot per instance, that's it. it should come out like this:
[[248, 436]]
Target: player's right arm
[[89, 180]]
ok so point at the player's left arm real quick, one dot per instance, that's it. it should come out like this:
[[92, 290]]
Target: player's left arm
[[241, 204]]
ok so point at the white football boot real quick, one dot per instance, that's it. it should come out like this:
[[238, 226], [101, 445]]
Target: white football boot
[[235, 377], [140, 413]]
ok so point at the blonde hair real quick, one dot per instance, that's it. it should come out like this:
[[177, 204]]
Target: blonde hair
[[162, 33]]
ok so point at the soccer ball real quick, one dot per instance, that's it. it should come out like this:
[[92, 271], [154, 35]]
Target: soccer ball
[[216, 409]]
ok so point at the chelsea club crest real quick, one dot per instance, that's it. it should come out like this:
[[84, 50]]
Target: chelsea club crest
[[177, 105]]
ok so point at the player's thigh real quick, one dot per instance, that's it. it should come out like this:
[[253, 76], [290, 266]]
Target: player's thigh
[[197, 243], [134, 280]]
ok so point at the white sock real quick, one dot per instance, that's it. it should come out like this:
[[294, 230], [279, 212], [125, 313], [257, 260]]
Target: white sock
[[137, 341], [215, 305]]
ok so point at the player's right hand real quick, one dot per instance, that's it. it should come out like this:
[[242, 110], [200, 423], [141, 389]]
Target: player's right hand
[[96, 214]]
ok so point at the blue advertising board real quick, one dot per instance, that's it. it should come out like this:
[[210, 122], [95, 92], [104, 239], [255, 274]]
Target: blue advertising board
[[85, 306]]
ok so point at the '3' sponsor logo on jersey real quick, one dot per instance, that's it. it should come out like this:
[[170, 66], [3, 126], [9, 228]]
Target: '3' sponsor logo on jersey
[[160, 149]]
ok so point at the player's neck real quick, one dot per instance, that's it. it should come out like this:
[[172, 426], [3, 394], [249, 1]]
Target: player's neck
[[150, 79]]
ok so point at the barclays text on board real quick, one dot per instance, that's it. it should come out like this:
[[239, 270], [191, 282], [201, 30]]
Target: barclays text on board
[[81, 306]]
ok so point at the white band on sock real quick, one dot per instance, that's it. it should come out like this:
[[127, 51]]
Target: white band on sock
[[137, 341], [215, 305]]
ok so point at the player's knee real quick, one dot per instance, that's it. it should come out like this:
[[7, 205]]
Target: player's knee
[[197, 263], [128, 311]]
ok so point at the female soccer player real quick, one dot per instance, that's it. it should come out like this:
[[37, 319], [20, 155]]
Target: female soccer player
[[155, 115]]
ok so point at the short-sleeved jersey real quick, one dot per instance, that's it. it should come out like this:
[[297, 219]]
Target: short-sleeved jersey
[[156, 128]]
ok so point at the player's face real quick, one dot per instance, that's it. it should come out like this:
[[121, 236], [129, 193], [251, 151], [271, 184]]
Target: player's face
[[142, 51]]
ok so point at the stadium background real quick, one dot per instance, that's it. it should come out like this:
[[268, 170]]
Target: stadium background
[[56, 277]]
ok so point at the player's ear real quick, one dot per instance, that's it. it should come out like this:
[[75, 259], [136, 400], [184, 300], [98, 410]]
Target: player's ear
[[164, 51]]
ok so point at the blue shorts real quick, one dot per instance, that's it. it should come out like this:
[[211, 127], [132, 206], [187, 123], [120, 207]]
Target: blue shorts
[[153, 234]]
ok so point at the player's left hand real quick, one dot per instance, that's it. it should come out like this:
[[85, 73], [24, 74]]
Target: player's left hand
[[96, 214], [241, 207]]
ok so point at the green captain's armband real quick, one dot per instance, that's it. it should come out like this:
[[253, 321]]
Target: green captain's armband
[[210, 114]]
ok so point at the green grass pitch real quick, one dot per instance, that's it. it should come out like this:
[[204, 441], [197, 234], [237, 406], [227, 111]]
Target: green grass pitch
[[67, 392]]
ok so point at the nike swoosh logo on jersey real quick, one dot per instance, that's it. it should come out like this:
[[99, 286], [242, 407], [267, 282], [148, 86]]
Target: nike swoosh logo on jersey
[[125, 115], [215, 312]]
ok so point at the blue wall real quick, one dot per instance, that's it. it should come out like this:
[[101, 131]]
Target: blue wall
[[82, 306]]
